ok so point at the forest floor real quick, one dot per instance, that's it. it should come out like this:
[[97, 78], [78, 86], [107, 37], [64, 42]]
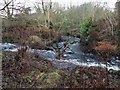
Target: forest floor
[[40, 73]]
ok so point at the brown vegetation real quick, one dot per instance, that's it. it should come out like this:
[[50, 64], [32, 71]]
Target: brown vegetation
[[33, 38], [105, 46], [41, 74]]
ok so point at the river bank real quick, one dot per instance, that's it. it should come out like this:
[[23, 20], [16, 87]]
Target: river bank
[[41, 73], [42, 68], [72, 55]]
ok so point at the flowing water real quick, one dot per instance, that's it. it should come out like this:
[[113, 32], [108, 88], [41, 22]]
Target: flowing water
[[72, 56]]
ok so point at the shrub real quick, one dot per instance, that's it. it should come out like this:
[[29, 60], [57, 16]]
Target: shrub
[[7, 38], [88, 33], [85, 26], [105, 46]]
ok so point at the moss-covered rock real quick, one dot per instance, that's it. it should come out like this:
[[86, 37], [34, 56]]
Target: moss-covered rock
[[35, 42], [34, 39]]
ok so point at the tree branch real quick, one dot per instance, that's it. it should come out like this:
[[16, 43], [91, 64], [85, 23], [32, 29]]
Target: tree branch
[[6, 5]]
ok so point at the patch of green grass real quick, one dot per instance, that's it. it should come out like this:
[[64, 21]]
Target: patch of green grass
[[49, 79], [52, 77], [29, 79]]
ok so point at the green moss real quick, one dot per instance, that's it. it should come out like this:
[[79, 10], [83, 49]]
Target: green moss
[[35, 42], [52, 77], [29, 79], [49, 79], [42, 76], [34, 39]]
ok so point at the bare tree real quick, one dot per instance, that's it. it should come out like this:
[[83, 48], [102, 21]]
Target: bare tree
[[44, 12], [11, 7], [8, 8]]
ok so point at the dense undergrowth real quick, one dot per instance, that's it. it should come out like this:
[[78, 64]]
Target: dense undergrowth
[[38, 39], [36, 72]]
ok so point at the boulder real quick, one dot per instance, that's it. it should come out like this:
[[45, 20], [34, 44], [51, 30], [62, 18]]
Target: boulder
[[35, 42]]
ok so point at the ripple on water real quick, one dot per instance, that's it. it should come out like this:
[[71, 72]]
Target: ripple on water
[[70, 60]]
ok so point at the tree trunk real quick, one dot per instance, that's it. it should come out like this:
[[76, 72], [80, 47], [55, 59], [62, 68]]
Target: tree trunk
[[118, 26], [44, 11], [118, 18]]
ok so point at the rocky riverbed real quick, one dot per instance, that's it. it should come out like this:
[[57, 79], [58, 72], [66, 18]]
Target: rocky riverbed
[[42, 69], [72, 55]]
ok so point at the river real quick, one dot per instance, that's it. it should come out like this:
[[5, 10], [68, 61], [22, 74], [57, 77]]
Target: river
[[72, 56]]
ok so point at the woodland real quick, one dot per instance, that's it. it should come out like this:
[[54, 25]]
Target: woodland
[[53, 46]]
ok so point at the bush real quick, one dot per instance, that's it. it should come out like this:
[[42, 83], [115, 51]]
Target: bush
[[7, 38], [88, 33], [85, 26]]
